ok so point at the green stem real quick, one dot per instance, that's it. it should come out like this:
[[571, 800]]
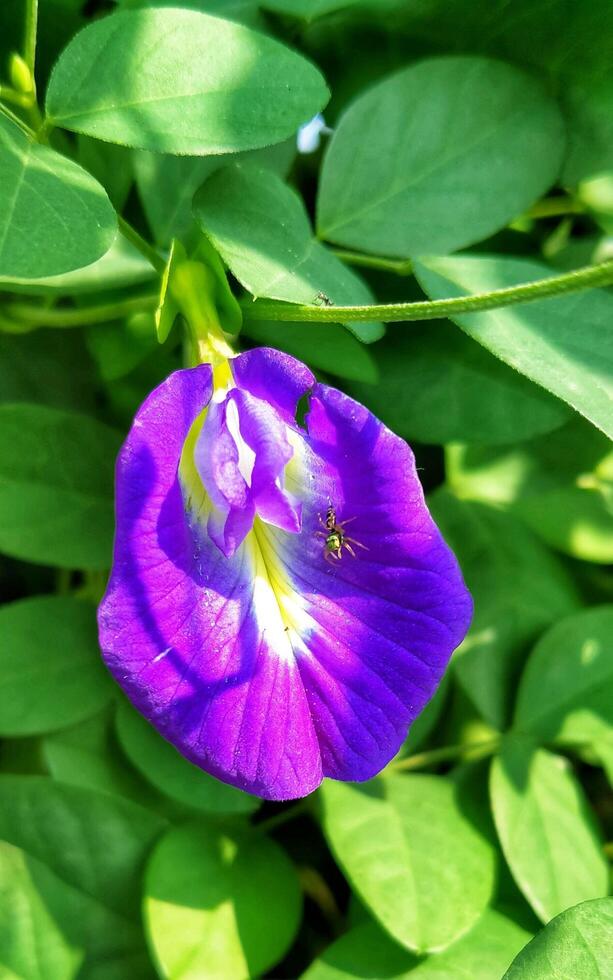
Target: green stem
[[568, 282], [448, 753], [18, 122], [401, 267], [17, 98], [29, 46], [38, 316], [141, 244]]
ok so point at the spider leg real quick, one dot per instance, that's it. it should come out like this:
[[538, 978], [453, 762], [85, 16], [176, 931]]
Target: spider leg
[[339, 553], [321, 534], [358, 543], [349, 548], [322, 522], [348, 521]]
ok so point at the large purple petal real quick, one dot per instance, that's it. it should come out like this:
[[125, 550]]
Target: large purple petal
[[375, 632], [194, 638]]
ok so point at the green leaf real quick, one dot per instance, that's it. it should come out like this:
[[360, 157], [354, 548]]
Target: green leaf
[[66, 368], [438, 386], [310, 10], [324, 346], [567, 43], [519, 588], [121, 266], [260, 228], [88, 755], [94, 844], [32, 943], [561, 485], [171, 773], [576, 944], [438, 156], [118, 348], [482, 954], [392, 836], [209, 85], [243, 11], [566, 690], [166, 184], [546, 828], [56, 487], [51, 674], [364, 951], [563, 343], [55, 216], [219, 904], [111, 165]]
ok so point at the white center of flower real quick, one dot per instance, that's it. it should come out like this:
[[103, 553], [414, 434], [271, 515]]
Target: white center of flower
[[246, 455]]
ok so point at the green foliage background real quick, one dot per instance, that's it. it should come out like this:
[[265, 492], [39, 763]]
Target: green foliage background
[[472, 150]]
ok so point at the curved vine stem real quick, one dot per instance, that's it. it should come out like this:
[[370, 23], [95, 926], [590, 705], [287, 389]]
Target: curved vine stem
[[568, 282]]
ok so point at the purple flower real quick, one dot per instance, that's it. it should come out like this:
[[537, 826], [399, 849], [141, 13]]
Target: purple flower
[[230, 621]]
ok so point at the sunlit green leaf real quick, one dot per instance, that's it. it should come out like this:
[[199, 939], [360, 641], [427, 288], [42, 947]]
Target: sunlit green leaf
[[539, 339], [219, 904], [166, 184], [208, 85], [482, 954], [94, 845], [392, 836], [566, 690], [260, 227], [561, 485], [547, 830], [438, 156], [54, 216], [568, 43], [32, 900], [576, 944]]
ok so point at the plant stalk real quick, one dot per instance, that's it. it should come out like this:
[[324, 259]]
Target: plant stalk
[[568, 282], [38, 316]]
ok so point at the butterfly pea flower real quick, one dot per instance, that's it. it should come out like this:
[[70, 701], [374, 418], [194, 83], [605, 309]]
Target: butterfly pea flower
[[281, 605]]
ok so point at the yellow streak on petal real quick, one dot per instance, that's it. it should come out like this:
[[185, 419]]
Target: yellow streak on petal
[[279, 608]]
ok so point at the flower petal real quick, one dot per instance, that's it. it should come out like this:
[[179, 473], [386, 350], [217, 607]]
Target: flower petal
[[264, 432], [196, 639], [217, 461], [277, 378], [372, 634]]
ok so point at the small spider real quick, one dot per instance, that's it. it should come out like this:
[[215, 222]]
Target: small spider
[[323, 300], [335, 537]]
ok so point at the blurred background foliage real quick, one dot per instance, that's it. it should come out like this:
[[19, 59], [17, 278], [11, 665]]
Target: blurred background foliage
[[119, 859]]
